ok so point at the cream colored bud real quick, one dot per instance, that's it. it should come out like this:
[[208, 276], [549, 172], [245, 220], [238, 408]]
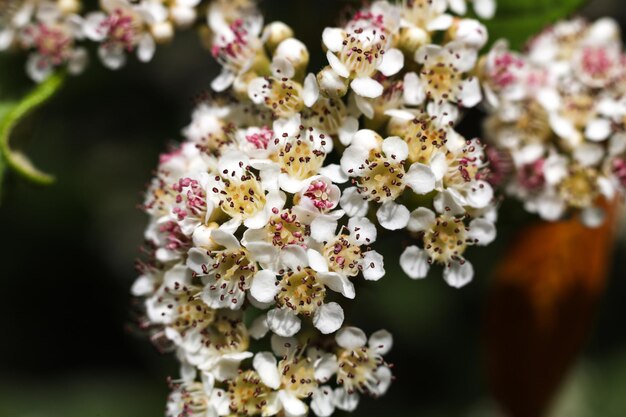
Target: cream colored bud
[[240, 85], [274, 33], [162, 31], [411, 39], [296, 52], [332, 84], [69, 6]]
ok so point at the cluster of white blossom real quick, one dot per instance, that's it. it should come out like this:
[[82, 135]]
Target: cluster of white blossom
[[267, 215], [558, 111], [53, 31]]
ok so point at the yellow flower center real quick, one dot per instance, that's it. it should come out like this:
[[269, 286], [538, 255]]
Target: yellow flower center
[[301, 291]]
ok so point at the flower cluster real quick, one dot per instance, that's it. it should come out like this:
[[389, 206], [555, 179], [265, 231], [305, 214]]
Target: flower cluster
[[265, 219], [53, 31], [558, 112]]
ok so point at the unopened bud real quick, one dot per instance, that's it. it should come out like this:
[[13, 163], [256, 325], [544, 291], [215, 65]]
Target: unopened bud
[[296, 52], [274, 33], [162, 31], [332, 84], [411, 39]]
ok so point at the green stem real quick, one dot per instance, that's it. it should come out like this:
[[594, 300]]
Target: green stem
[[17, 160]]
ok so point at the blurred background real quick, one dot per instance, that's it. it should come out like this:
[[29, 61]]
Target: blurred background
[[66, 346]]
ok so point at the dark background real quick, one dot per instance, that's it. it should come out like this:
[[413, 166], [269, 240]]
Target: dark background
[[67, 252]]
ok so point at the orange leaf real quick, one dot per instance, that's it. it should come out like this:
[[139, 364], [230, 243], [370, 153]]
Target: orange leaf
[[541, 307]]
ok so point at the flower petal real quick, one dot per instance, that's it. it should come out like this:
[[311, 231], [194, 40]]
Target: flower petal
[[367, 87], [328, 318], [458, 274], [267, 368], [392, 216], [381, 342], [351, 338], [264, 286], [283, 322], [414, 262]]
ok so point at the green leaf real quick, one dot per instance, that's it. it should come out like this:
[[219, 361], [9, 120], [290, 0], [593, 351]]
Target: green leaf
[[11, 114], [518, 20]]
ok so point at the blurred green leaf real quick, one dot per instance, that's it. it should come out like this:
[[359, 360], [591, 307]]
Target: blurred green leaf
[[518, 20], [11, 114]]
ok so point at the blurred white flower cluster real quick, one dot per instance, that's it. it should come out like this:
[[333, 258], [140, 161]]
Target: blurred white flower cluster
[[54, 33], [268, 214], [558, 111]]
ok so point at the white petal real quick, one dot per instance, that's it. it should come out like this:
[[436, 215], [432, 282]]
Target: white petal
[[334, 173], [414, 93], [256, 89], [258, 329], [367, 87], [333, 38], [395, 148], [282, 68], [353, 203], [265, 365], [550, 207], [414, 262], [351, 338], [373, 266], [589, 154], [283, 322], [323, 228], [384, 376], [421, 219], [337, 65], [362, 230], [283, 346], [470, 94], [458, 274], [485, 9], [146, 48], [393, 61], [310, 90], [420, 178], [347, 130], [325, 367], [264, 286], [292, 405], [328, 318], [228, 240], [322, 402], [482, 232], [441, 22], [592, 216], [392, 216], [317, 261], [381, 342], [338, 283], [598, 130], [294, 257], [364, 105], [345, 401], [479, 194]]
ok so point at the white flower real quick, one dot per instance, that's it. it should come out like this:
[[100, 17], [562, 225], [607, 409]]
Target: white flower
[[300, 291], [241, 194], [362, 48], [445, 239], [378, 167], [362, 369], [200, 396], [442, 76], [296, 377], [122, 27], [235, 45], [343, 253]]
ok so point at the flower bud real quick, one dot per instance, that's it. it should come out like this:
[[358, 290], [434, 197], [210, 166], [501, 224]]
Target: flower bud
[[162, 31], [69, 6], [332, 84], [411, 39], [274, 33], [296, 52]]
